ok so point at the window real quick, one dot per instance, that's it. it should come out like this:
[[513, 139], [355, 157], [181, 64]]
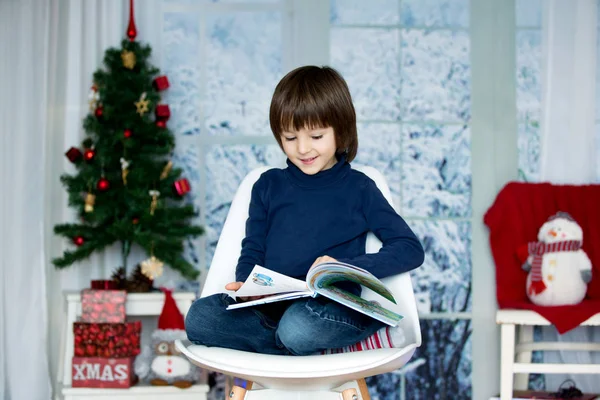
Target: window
[[407, 65]]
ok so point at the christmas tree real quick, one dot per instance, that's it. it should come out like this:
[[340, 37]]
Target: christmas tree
[[126, 188]]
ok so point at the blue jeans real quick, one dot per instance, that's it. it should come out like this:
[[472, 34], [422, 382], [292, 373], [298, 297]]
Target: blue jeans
[[307, 326]]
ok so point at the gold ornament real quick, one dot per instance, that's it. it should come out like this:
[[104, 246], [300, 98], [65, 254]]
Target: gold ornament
[[128, 58], [152, 267], [142, 104], [90, 199], [93, 97], [124, 170], [154, 203], [166, 170]]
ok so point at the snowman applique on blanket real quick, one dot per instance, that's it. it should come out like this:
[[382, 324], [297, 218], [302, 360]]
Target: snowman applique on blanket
[[558, 269]]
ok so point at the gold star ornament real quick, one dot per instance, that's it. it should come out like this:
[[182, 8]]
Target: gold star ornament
[[142, 104], [128, 58], [152, 267]]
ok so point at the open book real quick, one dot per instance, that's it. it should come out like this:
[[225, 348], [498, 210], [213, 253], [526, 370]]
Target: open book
[[376, 300]]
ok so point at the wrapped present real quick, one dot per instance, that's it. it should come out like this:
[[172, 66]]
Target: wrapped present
[[103, 305], [104, 284], [182, 186], [107, 340], [74, 154], [160, 83], [162, 112], [95, 372]]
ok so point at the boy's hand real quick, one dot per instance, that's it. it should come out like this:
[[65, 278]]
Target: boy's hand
[[321, 260], [235, 286]]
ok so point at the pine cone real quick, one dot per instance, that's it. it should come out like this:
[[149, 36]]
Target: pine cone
[[138, 282], [120, 278]]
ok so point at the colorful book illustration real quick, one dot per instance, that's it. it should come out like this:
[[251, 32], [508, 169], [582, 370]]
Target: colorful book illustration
[[376, 301]]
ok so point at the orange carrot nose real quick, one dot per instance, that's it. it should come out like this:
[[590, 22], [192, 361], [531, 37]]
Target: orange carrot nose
[[552, 233]]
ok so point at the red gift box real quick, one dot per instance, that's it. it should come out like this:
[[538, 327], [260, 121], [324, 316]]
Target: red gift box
[[162, 112], [107, 340], [161, 83], [73, 154], [103, 305], [97, 372], [103, 284], [182, 186]]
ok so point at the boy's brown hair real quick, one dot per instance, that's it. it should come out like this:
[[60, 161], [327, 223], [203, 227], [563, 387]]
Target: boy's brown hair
[[315, 97]]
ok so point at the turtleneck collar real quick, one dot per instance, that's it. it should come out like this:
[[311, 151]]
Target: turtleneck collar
[[321, 178]]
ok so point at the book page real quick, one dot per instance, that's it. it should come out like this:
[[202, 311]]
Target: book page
[[324, 275], [270, 299], [263, 281]]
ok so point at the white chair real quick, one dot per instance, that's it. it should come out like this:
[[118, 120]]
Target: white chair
[[519, 342], [306, 377]]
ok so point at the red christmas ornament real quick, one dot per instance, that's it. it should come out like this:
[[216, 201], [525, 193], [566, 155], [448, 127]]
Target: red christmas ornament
[[162, 112], [78, 240], [103, 184], [161, 124], [135, 221], [127, 133], [182, 186], [73, 154], [89, 154], [160, 83], [99, 112], [131, 29]]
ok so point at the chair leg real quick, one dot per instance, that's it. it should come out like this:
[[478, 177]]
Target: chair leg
[[507, 360], [525, 335], [236, 389], [364, 390], [350, 394], [361, 394]]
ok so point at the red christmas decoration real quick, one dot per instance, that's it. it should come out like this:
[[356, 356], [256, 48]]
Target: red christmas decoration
[[103, 305], [162, 112], [160, 83], [135, 221], [122, 339], [182, 186], [78, 240], [73, 154], [161, 124], [127, 133], [131, 29], [99, 112], [89, 154], [103, 184], [103, 372]]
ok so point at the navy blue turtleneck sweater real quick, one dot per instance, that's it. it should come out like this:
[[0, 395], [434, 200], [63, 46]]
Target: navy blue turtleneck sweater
[[295, 218]]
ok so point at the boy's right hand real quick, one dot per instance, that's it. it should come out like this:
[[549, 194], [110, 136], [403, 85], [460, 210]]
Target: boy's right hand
[[235, 286]]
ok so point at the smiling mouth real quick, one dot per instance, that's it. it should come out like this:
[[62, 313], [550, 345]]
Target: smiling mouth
[[308, 160]]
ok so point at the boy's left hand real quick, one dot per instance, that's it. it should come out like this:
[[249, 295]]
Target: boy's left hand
[[321, 260]]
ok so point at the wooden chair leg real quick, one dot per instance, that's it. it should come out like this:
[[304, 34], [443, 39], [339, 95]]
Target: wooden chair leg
[[364, 390], [350, 394], [353, 394], [239, 387]]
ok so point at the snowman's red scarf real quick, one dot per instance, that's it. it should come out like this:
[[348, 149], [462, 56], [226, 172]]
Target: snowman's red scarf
[[537, 250]]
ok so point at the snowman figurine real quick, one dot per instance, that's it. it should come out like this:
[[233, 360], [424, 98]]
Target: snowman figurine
[[558, 269], [161, 363]]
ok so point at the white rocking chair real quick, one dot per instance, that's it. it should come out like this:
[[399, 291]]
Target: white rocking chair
[[332, 376]]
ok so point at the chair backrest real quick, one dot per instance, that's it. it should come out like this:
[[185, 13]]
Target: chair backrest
[[229, 247]]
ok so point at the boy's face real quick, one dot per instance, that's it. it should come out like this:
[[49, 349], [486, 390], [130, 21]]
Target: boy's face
[[311, 150]]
